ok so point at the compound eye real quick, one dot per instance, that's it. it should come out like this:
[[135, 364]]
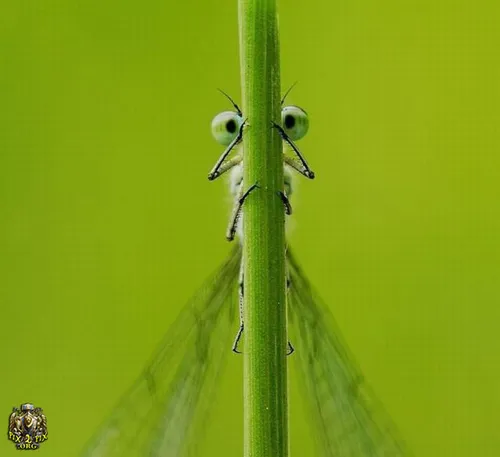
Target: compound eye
[[294, 121], [225, 127]]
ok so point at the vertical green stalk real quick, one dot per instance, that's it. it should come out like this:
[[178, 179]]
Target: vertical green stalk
[[265, 384]]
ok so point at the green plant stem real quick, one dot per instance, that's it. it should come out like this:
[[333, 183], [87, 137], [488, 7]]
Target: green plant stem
[[265, 334]]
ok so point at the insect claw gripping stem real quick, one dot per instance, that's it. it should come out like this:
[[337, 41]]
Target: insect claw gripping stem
[[247, 193], [231, 231], [241, 293], [306, 171], [235, 349], [219, 168], [237, 340], [286, 202]]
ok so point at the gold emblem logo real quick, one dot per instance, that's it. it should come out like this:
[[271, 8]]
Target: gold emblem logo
[[27, 426]]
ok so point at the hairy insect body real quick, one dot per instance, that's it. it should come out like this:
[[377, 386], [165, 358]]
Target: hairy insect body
[[236, 190]]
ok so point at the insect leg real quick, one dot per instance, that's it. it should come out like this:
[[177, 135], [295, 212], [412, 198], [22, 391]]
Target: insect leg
[[235, 216], [304, 169], [241, 293], [295, 165], [291, 349], [286, 202], [240, 296], [228, 164], [218, 168]]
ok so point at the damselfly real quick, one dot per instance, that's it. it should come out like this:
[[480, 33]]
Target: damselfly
[[167, 405]]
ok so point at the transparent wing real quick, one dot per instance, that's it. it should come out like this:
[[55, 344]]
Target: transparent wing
[[348, 420], [163, 412]]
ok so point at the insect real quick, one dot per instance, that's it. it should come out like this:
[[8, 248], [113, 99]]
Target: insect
[[169, 402]]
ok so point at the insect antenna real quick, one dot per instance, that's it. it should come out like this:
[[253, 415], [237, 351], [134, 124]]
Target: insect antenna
[[287, 92], [236, 107]]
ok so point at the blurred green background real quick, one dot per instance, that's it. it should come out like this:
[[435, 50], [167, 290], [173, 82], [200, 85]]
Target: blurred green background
[[108, 222]]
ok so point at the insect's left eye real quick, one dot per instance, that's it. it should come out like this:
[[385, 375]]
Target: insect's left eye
[[225, 127], [294, 121]]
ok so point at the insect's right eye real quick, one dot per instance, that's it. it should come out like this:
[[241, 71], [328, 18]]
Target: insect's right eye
[[295, 122], [225, 127]]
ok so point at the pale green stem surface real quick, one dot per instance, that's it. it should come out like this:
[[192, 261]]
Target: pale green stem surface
[[265, 334]]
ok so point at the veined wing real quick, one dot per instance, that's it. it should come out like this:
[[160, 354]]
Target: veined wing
[[348, 419], [162, 412]]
